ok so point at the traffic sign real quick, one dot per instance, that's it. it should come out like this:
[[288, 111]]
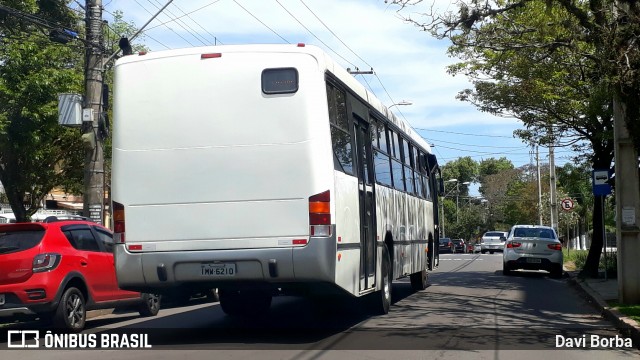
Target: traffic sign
[[600, 179], [566, 204]]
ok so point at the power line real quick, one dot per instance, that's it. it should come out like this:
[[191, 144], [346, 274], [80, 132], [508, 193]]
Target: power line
[[215, 38], [143, 32], [179, 17], [314, 35], [482, 146], [260, 21], [180, 23], [334, 34], [175, 32], [459, 133], [484, 152]]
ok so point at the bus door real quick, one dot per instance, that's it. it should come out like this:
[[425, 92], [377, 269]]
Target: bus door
[[364, 164]]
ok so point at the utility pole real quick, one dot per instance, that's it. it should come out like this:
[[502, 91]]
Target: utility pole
[[627, 193], [552, 190], [443, 217], [539, 185], [92, 113]]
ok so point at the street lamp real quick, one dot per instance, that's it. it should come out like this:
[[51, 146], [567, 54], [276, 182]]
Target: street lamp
[[457, 195], [444, 196], [401, 103]]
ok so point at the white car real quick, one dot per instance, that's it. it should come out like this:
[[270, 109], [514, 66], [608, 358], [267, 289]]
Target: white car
[[492, 241], [532, 247]]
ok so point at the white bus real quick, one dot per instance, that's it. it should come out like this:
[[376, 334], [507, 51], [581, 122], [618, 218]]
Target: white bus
[[263, 170]]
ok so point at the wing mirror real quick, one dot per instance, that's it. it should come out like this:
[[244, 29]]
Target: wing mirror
[[502, 238]]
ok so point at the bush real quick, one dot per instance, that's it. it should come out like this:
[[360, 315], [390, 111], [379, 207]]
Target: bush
[[612, 264], [579, 258]]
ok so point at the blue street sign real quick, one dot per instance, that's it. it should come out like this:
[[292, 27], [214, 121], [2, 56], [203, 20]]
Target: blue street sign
[[599, 180]]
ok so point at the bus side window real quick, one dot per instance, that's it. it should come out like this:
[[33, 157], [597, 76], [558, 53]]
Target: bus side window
[[340, 136], [427, 187], [382, 168]]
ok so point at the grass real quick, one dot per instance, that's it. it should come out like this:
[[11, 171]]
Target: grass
[[575, 259], [632, 311]]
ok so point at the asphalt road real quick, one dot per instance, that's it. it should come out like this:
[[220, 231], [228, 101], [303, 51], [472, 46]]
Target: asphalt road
[[470, 310]]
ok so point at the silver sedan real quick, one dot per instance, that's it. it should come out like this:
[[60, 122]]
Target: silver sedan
[[532, 247]]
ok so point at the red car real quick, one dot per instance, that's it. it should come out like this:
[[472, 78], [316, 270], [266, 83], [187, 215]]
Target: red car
[[58, 270]]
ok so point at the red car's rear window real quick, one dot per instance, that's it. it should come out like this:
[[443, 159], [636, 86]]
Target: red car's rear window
[[19, 238]]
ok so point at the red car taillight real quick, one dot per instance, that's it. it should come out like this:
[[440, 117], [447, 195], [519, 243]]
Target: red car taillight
[[45, 262], [513, 244], [118, 223], [320, 214], [555, 247]]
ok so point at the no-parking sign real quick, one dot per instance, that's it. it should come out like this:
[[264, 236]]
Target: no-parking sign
[[566, 204]]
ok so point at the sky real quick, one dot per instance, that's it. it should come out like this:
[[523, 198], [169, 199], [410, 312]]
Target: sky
[[409, 65]]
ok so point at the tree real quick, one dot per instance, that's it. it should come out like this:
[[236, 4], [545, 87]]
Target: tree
[[113, 32], [559, 66], [492, 166], [36, 154], [463, 169]]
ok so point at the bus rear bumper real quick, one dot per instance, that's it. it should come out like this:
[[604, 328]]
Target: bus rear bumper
[[153, 271]]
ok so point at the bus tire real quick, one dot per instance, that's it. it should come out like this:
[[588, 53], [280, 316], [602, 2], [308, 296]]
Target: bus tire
[[244, 303], [150, 305], [212, 295], [381, 300], [419, 280]]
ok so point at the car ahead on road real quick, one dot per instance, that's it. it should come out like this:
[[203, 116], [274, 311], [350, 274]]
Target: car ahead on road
[[458, 245], [469, 247], [477, 248], [445, 245], [533, 247], [57, 270], [492, 241]]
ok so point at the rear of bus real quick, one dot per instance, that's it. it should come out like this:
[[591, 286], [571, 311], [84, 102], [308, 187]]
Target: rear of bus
[[222, 168]]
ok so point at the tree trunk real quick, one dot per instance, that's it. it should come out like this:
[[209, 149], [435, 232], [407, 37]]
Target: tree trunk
[[592, 264], [16, 200]]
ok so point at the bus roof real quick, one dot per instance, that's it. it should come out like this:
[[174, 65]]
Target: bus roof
[[325, 63]]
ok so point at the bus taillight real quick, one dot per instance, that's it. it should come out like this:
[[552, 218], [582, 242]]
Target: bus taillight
[[320, 214], [118, 223]]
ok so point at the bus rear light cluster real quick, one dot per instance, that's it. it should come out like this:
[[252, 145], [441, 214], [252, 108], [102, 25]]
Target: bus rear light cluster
[[118, 223], [320, 214]]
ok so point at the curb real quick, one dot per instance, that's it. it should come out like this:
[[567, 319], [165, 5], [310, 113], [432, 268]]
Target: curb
[[96, 313], [625, 325]]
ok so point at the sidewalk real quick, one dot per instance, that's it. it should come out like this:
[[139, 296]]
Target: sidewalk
[[599, 292]]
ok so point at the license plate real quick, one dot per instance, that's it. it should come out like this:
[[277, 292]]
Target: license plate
[[534, 261], [218, 269], [1, 299]]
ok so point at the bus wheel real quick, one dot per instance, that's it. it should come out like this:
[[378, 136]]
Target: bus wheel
[[381, 300], [212, 295], [419, 280], [244, 302]]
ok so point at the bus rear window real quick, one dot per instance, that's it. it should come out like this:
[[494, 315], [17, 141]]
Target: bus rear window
[[280, 81]]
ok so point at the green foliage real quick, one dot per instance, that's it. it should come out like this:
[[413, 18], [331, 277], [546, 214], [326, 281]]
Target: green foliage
[[489, 167], [464, 169], [632, 311], [558, 66], [36, 154], [112, 34], [579, 258]]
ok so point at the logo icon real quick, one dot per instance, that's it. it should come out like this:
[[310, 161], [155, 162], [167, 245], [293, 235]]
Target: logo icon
[[22, 336]]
